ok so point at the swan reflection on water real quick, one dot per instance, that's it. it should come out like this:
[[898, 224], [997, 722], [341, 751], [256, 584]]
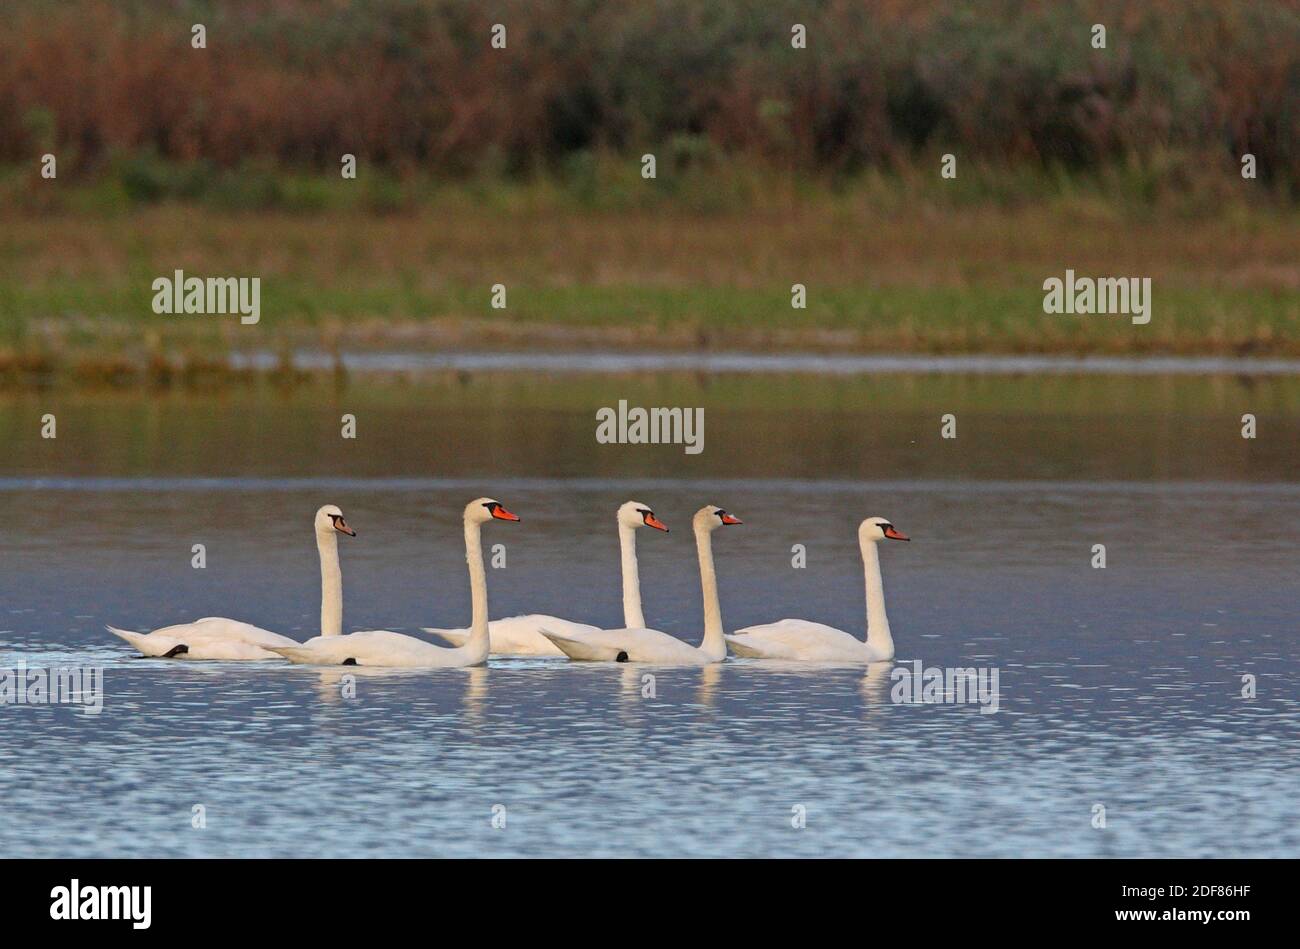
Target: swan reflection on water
[[476, 694], [873, 685], [338, 684]]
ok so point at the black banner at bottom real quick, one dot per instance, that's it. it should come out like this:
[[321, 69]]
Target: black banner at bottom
[[237, 897]]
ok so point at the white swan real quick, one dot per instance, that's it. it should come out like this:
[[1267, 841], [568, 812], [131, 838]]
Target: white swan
[[379, 647], [817, 642], [522, 635], [215, 637], [650, 645]]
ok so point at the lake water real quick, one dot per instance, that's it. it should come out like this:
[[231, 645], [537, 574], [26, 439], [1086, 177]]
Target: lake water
[[1118, 687]]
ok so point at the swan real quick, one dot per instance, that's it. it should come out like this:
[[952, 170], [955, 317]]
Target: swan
[[521, 635], [639, 644], [817, 642], [379, 647], [215, 637]]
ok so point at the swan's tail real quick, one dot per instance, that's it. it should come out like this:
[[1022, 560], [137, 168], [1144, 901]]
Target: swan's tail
[[743, 649], [457, 637], [582, 650], [298, 654], [151, 644]]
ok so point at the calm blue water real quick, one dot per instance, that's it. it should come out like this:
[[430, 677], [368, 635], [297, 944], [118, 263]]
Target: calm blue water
[[1118, 687]]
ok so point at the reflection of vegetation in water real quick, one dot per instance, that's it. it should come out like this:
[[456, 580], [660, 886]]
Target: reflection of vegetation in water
[[517, 425]]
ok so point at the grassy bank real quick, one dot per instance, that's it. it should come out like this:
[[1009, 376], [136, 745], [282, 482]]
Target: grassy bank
[[889, 266]]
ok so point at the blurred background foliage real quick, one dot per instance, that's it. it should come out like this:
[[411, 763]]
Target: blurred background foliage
[[414, 89]]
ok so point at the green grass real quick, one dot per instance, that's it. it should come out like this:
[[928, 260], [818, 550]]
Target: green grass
[[887, 319], [890, 265]]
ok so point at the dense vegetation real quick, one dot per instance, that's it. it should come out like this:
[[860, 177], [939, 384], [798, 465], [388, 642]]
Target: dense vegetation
[[1180, 92]]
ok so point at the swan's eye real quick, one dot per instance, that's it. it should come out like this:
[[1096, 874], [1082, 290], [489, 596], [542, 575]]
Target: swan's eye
[[491, 505]]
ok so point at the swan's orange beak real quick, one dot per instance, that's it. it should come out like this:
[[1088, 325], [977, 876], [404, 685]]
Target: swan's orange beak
[[893, 534], [341, 525], [652, 521], [502, 514], [731, 519]]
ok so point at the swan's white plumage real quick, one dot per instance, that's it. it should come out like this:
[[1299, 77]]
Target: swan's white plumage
[[213, 637], [219, 638], [639, 644], [378, 647], [519, 635], [522, 635], [806, 641], [148, 644], [801, 639], [630, 645]]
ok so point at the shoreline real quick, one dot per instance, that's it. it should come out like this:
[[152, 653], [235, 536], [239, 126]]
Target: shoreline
[[39, 371], [716, 363]]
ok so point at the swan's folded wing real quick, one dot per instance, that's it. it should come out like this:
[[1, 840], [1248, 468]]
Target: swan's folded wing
[[320, 651], [627, 645], [457, 637], [233, 630], [750, 647], [155, 645], [303, 654], [228, 650], [379, 647], [588, 648], [794, 639], [533, 623], [792, 633], [519, 635], [653, 645]]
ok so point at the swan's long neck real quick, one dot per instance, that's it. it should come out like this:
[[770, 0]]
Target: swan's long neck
[[878, 636], [633, 618], [478, 634], [714, 644], [331, 585]]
